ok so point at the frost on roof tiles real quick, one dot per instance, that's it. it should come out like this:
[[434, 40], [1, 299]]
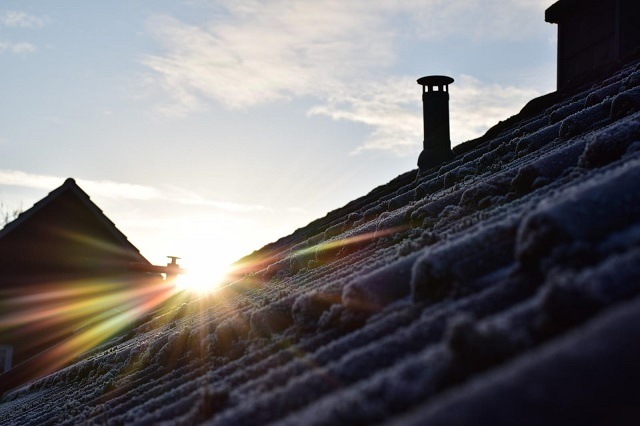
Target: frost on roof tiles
[[500, 288]]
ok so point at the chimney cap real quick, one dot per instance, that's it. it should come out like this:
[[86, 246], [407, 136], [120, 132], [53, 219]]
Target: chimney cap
[[435, 80]]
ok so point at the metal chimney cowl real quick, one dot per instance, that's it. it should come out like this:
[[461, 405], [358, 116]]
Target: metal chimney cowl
[[437, 140]]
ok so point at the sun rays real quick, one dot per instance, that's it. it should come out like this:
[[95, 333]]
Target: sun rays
[[201, 279], [65, 320], [205, 270], [62, 320]]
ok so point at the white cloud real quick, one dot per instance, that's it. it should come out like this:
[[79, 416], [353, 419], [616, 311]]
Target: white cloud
[[265, 52], [107, 189], [389, 107], [110, 189], [17, 19], [222, 205], [476, 106], [27, 180], [120, 190], [21, 47], [338, 53]]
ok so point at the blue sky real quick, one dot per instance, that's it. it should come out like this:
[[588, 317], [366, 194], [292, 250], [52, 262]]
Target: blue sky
[[206, 129]]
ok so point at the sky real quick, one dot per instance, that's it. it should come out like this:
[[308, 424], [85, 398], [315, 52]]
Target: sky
[[206, 129]]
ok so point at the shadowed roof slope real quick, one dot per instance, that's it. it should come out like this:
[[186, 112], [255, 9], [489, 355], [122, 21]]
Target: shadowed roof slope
[[500, 288]]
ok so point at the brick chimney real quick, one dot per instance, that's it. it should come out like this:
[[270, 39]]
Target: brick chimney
[[435, 103]]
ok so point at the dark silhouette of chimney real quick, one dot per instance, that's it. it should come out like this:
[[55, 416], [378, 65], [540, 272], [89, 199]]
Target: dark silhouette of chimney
[[435, 103], [593, 35], [172, 269]]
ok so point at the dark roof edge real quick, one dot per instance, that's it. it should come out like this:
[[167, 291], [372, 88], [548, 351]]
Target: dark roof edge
[[557, 11], [532, 108], [22, 217], [71, 185], [321, 224], [539, 104]]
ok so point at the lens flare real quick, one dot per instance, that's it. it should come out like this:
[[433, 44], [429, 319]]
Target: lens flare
[[56, 322], [64, 320], [203, 274]]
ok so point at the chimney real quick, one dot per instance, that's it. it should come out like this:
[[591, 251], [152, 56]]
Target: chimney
[[172, 269], [593, 35], [435, 103]]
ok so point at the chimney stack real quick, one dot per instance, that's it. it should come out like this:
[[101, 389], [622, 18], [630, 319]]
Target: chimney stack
[[172, 269], [435, 103]]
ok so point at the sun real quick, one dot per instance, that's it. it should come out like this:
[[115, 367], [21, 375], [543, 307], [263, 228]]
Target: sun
[[204, 274], [208, 248]]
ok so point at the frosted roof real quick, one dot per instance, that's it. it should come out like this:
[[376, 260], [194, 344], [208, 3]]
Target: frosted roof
[[501, 288]]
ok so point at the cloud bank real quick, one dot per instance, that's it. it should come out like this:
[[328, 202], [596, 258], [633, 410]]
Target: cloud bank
[[120, 190], [338, 53]]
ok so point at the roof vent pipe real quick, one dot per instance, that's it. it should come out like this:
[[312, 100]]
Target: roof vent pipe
[[435, 103]]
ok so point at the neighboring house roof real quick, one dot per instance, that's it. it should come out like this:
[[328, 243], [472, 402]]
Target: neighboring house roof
[[63, 265], [500, 288], [106, 231]]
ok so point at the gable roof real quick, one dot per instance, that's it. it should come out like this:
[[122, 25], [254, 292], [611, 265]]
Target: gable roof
[[500, 288], [70, 187]]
